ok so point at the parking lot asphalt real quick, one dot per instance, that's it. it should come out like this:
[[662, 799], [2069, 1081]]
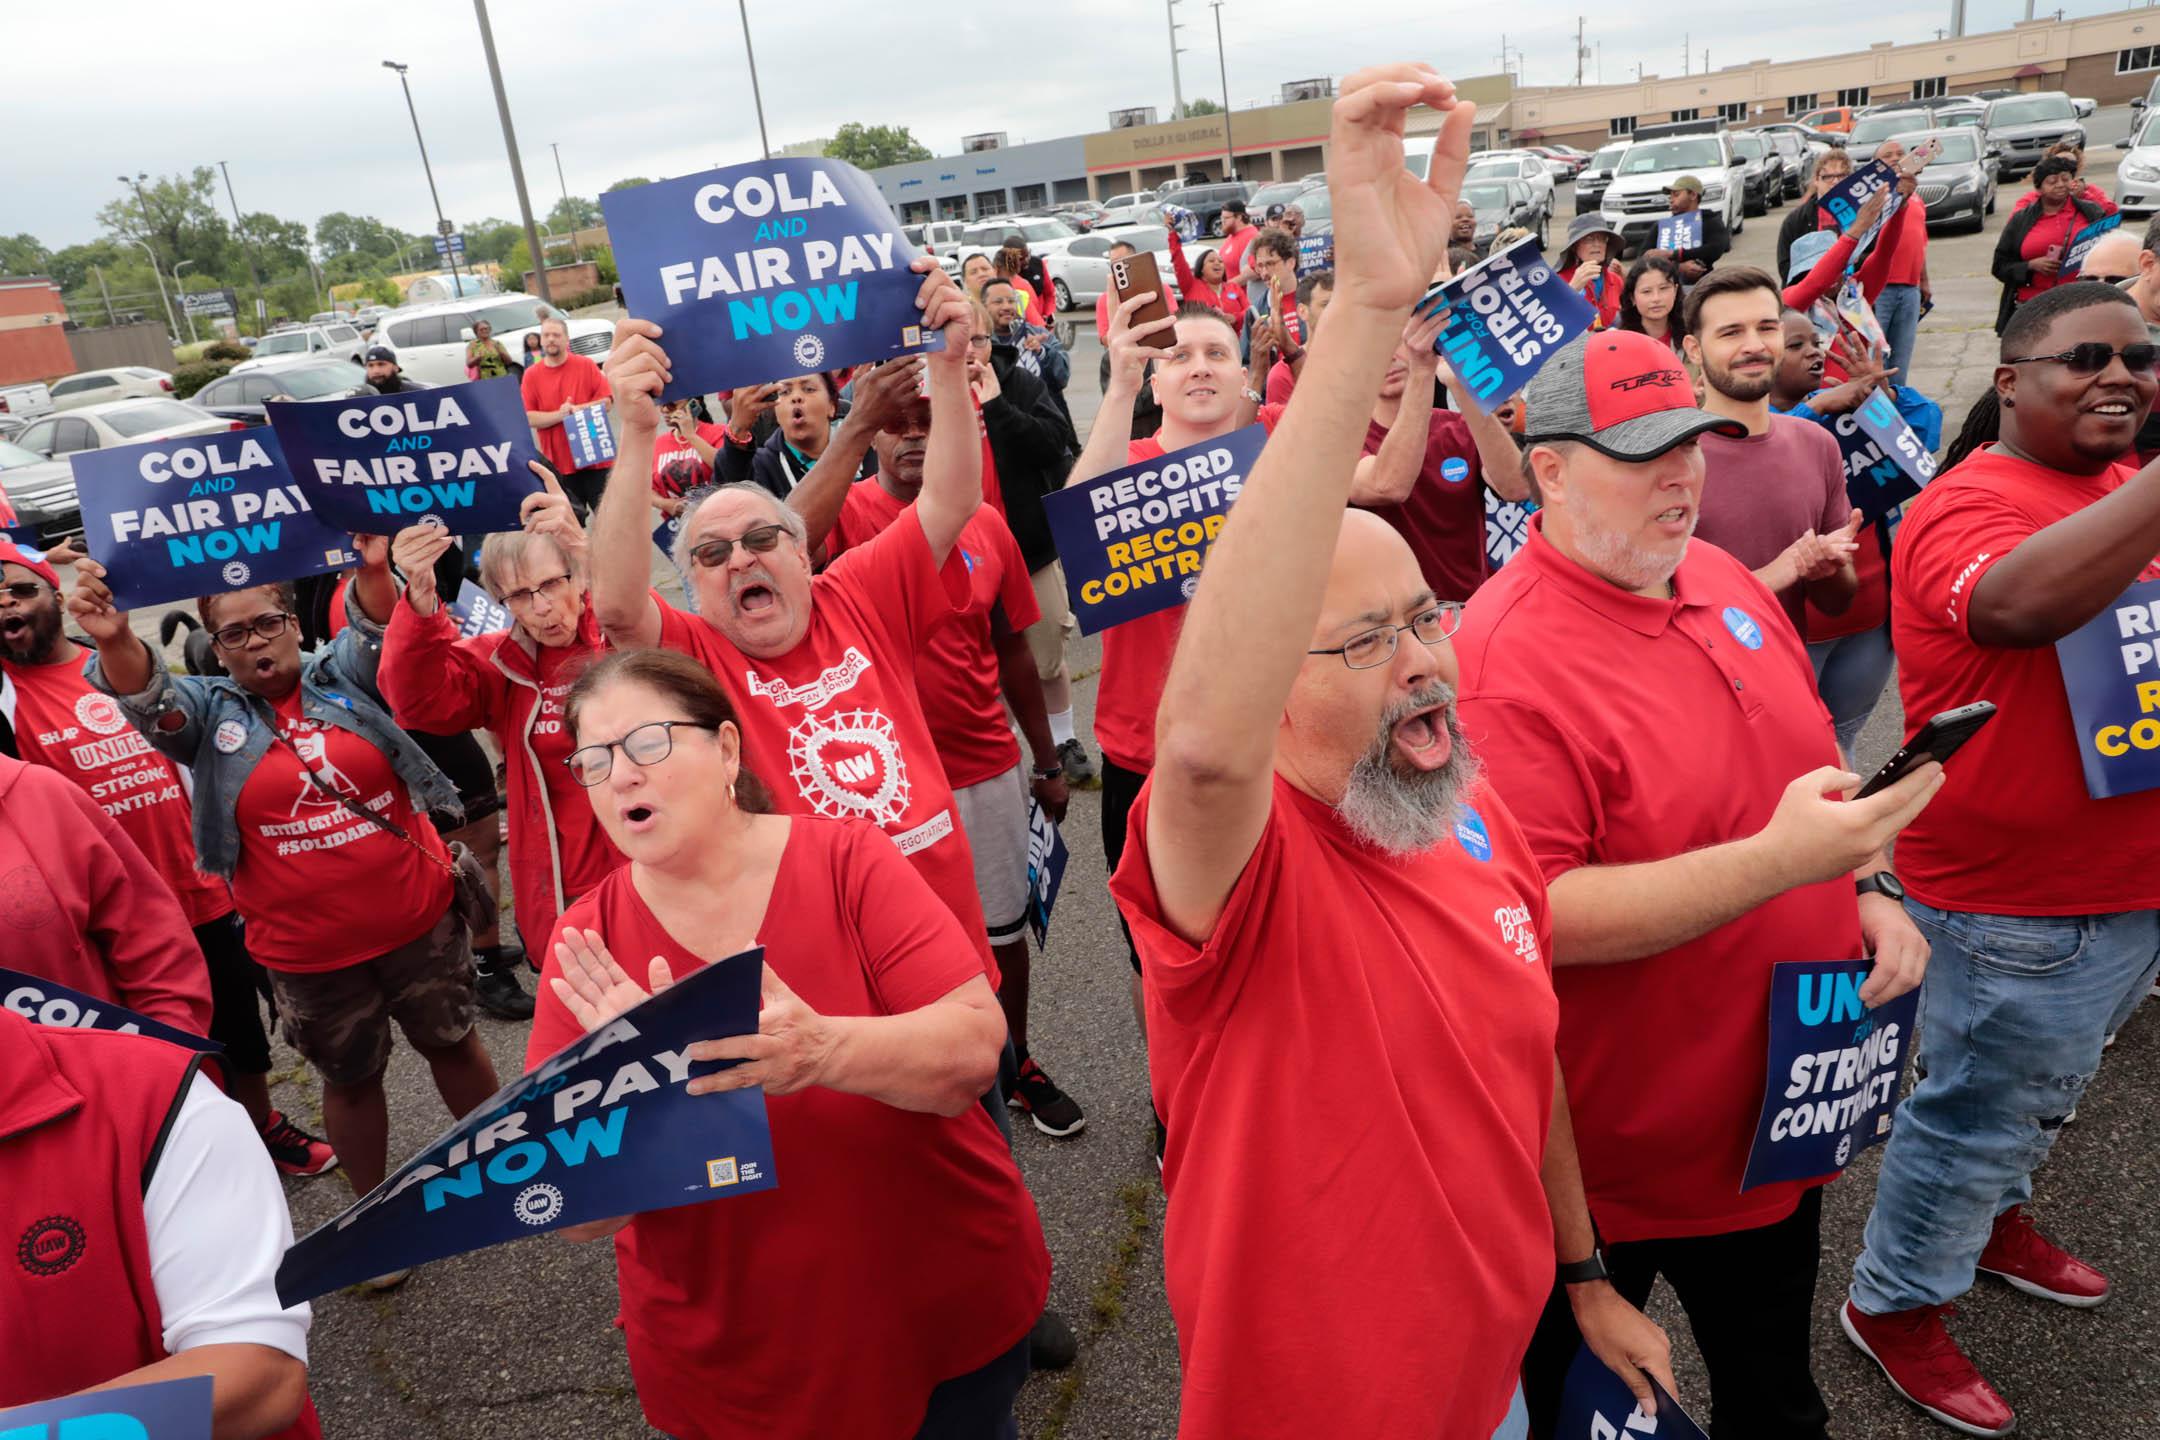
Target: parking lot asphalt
[[518, 1341]]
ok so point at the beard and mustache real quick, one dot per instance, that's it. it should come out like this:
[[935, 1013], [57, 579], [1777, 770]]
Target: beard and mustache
[[34, 642], [1399, 808]]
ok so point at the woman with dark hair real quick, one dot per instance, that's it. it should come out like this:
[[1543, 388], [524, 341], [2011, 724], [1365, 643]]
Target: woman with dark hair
[[804, 408], [1649, 299], [2029, 252], [902, 1224], [1207, 281], [1012, 262]]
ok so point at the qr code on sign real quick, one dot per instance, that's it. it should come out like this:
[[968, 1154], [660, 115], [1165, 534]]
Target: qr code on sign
[[720, 1172], [911, 335]]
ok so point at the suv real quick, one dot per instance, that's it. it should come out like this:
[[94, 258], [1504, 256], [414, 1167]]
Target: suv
[[429, 340], [339, 341], [937, 237], [42, 492], [1636, 198], [1762, 182], [2021, 127], [1206, 200], [1523, 165], [1591, 180]]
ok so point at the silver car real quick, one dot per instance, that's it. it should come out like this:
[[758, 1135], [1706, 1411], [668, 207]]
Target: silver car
[[2137, 178], [41, 492]]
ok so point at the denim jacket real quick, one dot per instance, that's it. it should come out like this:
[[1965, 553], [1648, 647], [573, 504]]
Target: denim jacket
[[337, 687]]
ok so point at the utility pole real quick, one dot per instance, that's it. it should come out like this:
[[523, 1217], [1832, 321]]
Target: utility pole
[[517, 166], [1177, 84], [1957, 18], [576, 253], [757, 96], [110, 318], [1685, 53], [1222, 70], [191, 335], [442, 230], [149, 234], [1578, 51], [262, 311]]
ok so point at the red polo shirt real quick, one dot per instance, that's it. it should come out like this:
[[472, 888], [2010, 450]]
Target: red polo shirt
[[1621, 730], [2012, 831]]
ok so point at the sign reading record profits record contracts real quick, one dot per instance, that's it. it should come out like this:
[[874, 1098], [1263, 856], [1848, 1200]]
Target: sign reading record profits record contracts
[[1132, 541], [1507, 316], [2111, 669], [778, 267]]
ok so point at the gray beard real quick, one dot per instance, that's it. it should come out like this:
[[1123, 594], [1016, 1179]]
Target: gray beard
[[1613, 556], [1402, 810]]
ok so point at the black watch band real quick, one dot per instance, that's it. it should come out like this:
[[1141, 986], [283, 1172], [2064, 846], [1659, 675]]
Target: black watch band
[[1582, 1272], [1882, 882]]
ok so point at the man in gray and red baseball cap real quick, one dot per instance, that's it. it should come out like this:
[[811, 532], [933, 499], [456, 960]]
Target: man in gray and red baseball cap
[[1654, 727]]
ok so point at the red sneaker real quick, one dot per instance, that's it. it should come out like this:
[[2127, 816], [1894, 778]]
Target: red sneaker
[[2023, 1257], [1925, 1366], [295, 1151]]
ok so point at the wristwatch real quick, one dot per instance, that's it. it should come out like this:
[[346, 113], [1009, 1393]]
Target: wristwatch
[[1582, 1272], [1882, 882], [1255, 396], [1048, 772]]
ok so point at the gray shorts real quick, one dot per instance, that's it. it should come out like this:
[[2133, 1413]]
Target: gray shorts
[[994, 814]]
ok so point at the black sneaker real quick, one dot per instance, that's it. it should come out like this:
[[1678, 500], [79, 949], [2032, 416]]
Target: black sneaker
[[1050, 1344], [501, 996], [1079, 769], [1052, 1110]]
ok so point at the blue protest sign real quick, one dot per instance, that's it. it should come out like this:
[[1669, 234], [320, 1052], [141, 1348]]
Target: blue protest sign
[[1047, 857], [1844, 202], [1315, 253], [759, 271], [1132, 541], [1680, 232], [47, 1002], [2112, 674], [1508, 315], [1507, 528], [174, 519], [168, 1410], [591, 438], [1596, 1404], [2081, 245], [457, 456], [603, 1128], [477, 612], [1885, 463], [1833, 1074]]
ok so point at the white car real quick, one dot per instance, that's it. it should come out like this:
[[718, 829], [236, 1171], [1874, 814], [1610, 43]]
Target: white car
[[2137, 178], [1636, 199], [1045, 235], [332, 342], [1524, 165], [1082, 272], [118, 422], [429, 340], [128, 382], [1119, 206]]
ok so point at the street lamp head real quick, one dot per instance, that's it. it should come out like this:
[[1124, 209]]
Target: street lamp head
[[393, 65]]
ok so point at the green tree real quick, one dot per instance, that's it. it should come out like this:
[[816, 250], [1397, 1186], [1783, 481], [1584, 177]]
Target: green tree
[[281, 246], [1200, 106], [489, 241], [177, 215], [573, 212], [630, 184], [23, 255], [872, 147], [70, 268]]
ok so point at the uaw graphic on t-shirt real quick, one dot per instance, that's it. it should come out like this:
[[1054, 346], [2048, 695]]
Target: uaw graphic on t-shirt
[[167, 1410], [95, 740], [846, 762], [1507, 316], [2111, 670], [455, 457], [602, 1128], [1596, 1404], [778, 267], [174, 519], [1833, 1074], [48, 1002], [1132, 541], [1885, 463], [319, 819]]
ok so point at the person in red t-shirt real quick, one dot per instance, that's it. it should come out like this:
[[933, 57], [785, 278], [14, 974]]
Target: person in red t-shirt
[[1344, 935], [2029, 253], [1590, 263], [560, 382], [684, 452], [902, 1222], [1313, 294], [2039, 901], [1238, 231], [1608, 645]]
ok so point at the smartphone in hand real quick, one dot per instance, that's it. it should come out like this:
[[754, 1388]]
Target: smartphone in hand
[[1937, 740], [1136, 275]]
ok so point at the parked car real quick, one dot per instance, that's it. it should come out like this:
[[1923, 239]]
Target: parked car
[[1762, 178], [1501, 203], [1516, 165], [368, 318], [1286, 192], [2021, 127], [1207, 201], [1082, 273], [1119, 207], [2145, 104], [939, 237], [2137, 178], [1083, 213], [1835, 118], [25, 402], [1636, 198], [429, 340], [241, 397], [11, 426], [1799, 156], [1316, 241], [41, 492], [340, 341], [126, 382], [1958, 187], [2084, 105], [1591, 180], [1045, 234], [1564, 164], [117, 422]]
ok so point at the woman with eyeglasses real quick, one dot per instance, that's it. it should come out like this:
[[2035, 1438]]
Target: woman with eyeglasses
[[2037, 237], [511, 684], [888, 1287], [312, 801]]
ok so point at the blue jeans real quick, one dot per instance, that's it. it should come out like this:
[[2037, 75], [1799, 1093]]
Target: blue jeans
[[1850, 673], [1897, 310], [2013, 1014]]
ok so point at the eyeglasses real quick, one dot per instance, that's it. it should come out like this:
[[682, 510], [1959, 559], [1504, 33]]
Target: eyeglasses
[[232, 637], [712, 554], [2091, 357], [647, 744], [1369, 648], [982, 340], [24, 590], [555, 590]]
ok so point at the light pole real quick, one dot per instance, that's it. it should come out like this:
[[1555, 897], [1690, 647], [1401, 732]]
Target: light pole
[[191, 335], [159, 275], [150, 229], [1229, 148], [757, 96], [575, 252], [517, 166], [262, 311], [441, 229], [1177, 84]]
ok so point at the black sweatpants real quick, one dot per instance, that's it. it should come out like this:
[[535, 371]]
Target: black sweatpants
[[1120, 787]]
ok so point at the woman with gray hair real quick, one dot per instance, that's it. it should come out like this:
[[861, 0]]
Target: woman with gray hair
[[510, 683]]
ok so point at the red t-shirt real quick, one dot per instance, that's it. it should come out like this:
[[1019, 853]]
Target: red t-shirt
[[1233, 250], [2049, 232], [1444, 518], [1905, 264], [1355, 1071], [1136, 656], [1281, 383], [61, 721], [835, 727], [956, 674], [577, 381], [319, 887], [2012, 831], [1589, 705], [676, 467], [907, 1228]]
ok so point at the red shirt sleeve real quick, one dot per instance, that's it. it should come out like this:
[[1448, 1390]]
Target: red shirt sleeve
[[1546, 777], [1938, 562], [433, 681], [888, 583], [134, 924]]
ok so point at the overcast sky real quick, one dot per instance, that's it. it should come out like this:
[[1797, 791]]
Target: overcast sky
[[295, 97]]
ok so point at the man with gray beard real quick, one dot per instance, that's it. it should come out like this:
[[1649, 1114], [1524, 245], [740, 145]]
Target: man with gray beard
[[1645, 712], [1343, 934]]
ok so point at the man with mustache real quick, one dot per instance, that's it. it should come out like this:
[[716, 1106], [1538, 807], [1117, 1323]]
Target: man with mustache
[[1343, 933], [1646, 717]]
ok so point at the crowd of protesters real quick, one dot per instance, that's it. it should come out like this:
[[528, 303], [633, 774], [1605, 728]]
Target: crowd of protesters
[[1415, 853]]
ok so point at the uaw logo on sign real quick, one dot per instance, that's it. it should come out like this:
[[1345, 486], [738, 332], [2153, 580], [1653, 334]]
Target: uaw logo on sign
[[809, 351], [1507, 316], [537, 1204], [848, 765]]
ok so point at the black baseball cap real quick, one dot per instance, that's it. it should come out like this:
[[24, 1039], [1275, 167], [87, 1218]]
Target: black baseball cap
[[381, 352]]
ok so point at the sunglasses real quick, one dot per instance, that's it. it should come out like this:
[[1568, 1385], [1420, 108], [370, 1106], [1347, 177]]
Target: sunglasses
[[712, 554], [2091, 357], [23, 590]]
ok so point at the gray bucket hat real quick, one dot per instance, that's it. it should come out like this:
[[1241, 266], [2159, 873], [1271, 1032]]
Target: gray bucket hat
[[1581, 228]]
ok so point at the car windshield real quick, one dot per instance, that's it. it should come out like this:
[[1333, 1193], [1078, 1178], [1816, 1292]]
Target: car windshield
[[1752, 146], [1507, 169], [312, 382], [1871, 130], [1318, 211], [512, 315], [13, 455], [292, 342], [1651, 156], [1960, 148], [2031, 110], [1486, 199], [2150, 134], [158, 415], [1608, 157]]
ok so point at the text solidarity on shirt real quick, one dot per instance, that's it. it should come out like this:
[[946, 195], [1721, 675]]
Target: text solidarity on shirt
[[777, 267], [1833, 1074], [174, 519], [2111, 671], [1132, 541], [1507, 316], [455, 457], [603, 1128]]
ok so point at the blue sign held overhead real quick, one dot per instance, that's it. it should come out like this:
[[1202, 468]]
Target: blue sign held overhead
[[1507, 528], [1680, 232], [478, 613], [1596, 1404], [458, 456], [168, 1410], [1844, 203], [174, 519], [2111, 669], [1508, 315], [1132, 541], [47, 1002], [1833, 1073], [603, 1128], [778, 267]]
